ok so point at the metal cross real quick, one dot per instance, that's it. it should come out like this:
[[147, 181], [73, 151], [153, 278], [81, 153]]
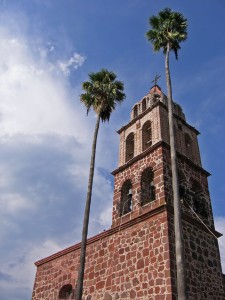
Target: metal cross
[[156, 79]]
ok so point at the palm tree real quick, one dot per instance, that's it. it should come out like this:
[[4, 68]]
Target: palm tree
[[168, 29], [102, 93]]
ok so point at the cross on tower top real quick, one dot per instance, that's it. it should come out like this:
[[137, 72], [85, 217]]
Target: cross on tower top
[[156, 79]]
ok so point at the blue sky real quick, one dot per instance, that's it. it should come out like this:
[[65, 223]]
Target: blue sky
[[47, 48]]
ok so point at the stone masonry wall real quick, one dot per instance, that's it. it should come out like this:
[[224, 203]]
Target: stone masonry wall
[[203, 267], [190, 173], [133, 172], [136, 261], [130, 263], [181, 128]]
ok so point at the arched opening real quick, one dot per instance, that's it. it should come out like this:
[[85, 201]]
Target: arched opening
[[66, 292], [156, 98], [198, 200], [130, 146], [184, 193], [188, 146], [182, 189], [126, 198], [135, 111], [144, 105], [147, 186], [146, 135]]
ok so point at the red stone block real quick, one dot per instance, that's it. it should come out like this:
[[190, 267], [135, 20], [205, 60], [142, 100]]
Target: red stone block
[[100, 285]]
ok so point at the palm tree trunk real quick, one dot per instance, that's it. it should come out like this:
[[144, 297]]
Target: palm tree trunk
[[79, 289], [181, 282]]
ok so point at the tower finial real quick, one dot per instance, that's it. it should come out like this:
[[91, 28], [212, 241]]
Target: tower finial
[[156, 79]]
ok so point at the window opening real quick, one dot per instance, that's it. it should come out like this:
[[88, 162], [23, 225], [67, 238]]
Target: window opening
[[146, 135], [130, 146], [126, 198], [135, 111], [184, 194], [182, 189], [188, 145], [156, 97], [66, 292], [147, 186], [198, 200], [144, 105]]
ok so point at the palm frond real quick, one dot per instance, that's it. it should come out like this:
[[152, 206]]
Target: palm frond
[[168, 27], [102, 93]]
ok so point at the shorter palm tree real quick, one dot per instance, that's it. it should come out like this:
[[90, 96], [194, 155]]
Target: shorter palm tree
[[102, 93]]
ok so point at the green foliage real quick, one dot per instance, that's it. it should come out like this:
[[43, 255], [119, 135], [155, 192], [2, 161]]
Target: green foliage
[[169, 28], [102, 93]]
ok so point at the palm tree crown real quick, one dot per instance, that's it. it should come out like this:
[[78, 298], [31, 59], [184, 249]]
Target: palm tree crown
[[103, 91], [169, 28]]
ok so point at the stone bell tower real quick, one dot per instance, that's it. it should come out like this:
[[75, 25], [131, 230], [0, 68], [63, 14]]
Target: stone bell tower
[[143, 187], [135, 258], [144, 146]]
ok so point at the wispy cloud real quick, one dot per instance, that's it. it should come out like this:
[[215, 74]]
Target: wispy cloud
[[58, 65], [19, 271], [72, 63], [47, 50], [32, 100]]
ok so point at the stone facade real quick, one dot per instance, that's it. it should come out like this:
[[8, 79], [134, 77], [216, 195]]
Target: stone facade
[[135, 258], [129, 262]]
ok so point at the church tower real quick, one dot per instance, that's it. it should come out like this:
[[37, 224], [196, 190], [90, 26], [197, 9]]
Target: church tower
[[143, 187], [135, 258]]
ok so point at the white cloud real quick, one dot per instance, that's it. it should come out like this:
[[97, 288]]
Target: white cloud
[[72, 63], [32, 100], [45, 51], [106, 217], [220, 226], [6, 179], [12, 203]]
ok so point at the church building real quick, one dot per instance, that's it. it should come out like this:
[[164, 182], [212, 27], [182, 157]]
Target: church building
[[135, 258]]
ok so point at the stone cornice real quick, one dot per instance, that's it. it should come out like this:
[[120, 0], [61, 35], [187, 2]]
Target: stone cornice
[[187, 160], [139, 156], [139, 117], [151, 149], [195, 222], [158, 103], [104, 234], [113, 230]]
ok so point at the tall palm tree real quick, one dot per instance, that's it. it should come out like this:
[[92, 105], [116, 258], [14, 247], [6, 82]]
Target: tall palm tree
[[102, 93], [168, 29]]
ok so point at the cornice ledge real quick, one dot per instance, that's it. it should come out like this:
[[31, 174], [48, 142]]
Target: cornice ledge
[[139, 156], [195, 222], [103, 234]]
